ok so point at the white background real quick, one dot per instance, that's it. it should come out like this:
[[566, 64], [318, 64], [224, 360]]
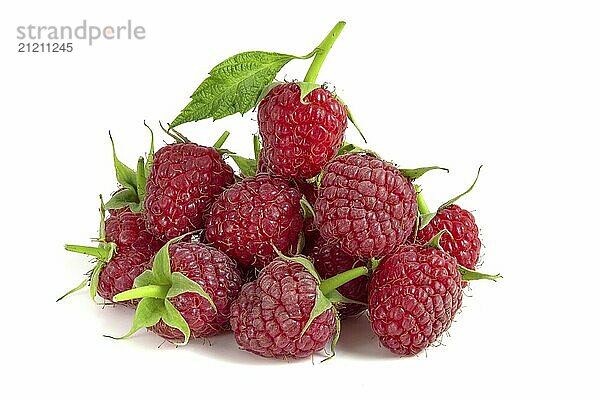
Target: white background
[[513, 85]]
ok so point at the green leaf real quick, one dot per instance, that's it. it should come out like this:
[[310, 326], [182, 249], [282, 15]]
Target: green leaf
[[419, 172], [247, 166], [336, 335], [453, 200], [305, 262], [182, 284], [125, 175], [322, 304], [233, 86], [174, 319], [123, 198], [470, 275], [148, 312]]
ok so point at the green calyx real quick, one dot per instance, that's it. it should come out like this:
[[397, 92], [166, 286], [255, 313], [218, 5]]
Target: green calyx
[[155, 288], [133, 182], [248, 166], [327, 294], [466, 274], [416, 173], [103, 254], [425, 216]]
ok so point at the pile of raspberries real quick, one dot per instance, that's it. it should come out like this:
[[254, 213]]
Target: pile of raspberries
[[311, 231]]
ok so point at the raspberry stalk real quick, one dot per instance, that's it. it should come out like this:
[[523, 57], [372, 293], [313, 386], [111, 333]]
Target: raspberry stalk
[[329, 285], [321, 52]]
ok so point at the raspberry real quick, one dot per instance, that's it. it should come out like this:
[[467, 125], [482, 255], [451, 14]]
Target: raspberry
[[184, 181], [268, 317], [119, 273], [365, 205], [300, 136], [217, 275], [413, 297], [128, 231], [330, 260], [252, 216], [464, 244]]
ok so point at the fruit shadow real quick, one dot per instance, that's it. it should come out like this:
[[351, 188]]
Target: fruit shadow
[[358, 340]]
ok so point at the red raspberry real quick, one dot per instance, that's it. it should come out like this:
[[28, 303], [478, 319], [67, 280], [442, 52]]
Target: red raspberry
[[268, 317], [464, 244], [119, 273], [251, 216], [365, 205], [300, 136], [329, 260], [184, 181], [217, 275], [413, 297], [128, 231]]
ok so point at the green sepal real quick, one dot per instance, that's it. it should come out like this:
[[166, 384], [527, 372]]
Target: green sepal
[[425, 219], [148, 312], [351, 117], [307, 208], [265, 91], [256, 146], [336, 335], [150, 156], [125, 175], [161, 284], [336, 297], [94, 279], [304, 261], [172, 317], [141, 186], [453, 200], [470, 275], [146, 278], [75, 289], [182, 284], [435, 241], [124, 198], [221, 140], [247, 166], [305, 89], [416, 173], [373, 264], [300, 243], [322, 304]]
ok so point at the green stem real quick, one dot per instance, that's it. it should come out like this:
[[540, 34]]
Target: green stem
[[98, 252], [423, 209], [156, 291], [321, 52], [329, 285], [221, 140]]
